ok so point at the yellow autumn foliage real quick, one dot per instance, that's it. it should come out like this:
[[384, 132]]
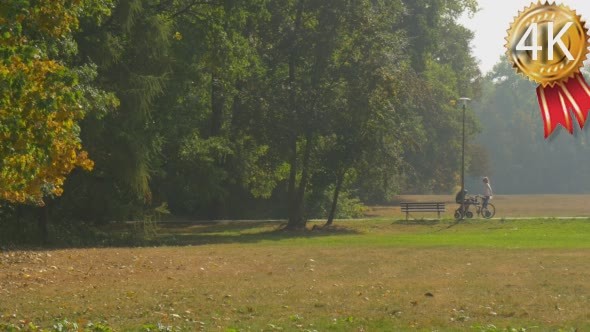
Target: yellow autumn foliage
[[39, 104]]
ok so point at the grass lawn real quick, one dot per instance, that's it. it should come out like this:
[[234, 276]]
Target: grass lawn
[[370, 275]]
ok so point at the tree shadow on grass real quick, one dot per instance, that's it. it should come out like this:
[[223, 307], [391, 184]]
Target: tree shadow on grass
[[451, 225], [194, 233], [242, 232], [435, 226], [217, 226], [418, 222]]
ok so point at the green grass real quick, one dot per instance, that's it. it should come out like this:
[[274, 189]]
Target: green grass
[[369, 275], [508, 234]]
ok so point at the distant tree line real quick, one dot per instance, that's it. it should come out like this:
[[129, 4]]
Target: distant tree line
[[520, 160], [234, 108]]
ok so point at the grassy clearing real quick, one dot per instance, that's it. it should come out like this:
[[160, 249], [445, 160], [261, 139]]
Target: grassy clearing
[[513, 234], [365, 275]]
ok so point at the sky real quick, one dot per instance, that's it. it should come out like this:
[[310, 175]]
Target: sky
[[494, 18]]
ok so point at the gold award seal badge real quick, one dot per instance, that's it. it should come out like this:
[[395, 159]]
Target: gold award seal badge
[[548, 43]]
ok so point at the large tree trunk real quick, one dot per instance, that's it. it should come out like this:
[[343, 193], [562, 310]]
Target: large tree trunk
[[292, 189], [217, 103], [297, 219], [42, 222], [332, 214], [215, 210], [19, 214], [236, 109], [294, 209]]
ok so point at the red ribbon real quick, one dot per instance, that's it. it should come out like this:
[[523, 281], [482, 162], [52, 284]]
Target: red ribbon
[[557, 101]]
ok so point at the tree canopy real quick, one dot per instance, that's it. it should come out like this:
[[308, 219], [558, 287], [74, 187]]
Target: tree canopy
[[42, 99], [520, 159], [231, 108]]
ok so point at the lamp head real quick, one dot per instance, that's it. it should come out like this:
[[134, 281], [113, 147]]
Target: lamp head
[[465, 100]]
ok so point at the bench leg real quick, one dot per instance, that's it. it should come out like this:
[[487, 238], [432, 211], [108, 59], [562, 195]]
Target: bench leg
[[407, 215], [438, 215]]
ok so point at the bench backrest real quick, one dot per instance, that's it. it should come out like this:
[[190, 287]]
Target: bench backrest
[[423, 206]]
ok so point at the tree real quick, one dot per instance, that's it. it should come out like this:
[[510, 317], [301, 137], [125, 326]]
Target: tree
[[42, 99], [226, 105], [442, 59], [132, 51], [521, 159], [370, 128]]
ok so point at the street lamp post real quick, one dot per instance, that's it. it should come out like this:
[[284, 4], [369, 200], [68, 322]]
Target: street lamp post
[[465, 100]]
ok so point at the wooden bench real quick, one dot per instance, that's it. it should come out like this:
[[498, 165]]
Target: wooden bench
[[412, 207]]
